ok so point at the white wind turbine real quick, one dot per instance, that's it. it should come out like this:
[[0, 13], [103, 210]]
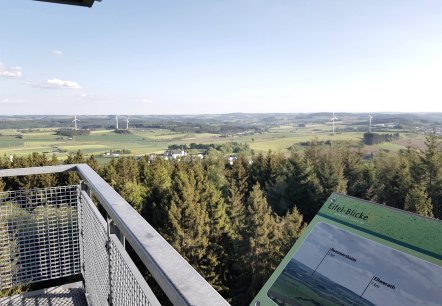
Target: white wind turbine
[[369, 124], [333, 119], [75, 122], [116, 122], [127, 123]]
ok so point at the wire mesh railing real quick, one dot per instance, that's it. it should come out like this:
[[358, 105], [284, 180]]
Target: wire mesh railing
[[124, 275], [110, 276], [38, 235], [95, 256]]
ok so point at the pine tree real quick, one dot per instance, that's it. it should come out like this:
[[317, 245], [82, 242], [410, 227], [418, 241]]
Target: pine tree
[[77, 158], [414, 156], [291, 227], [296, 183], [265, 169], [216, 208], [220, 232], [134, 193], [392, 179], [238, 175], [432, 163], [109, 173], [417, 201], [329, 169], [258, 243], [189, 225], [54, 160], [127, 170], [258, 170], [234, 247], [93, 163], [214, 166], [359, 174], [157, 178]]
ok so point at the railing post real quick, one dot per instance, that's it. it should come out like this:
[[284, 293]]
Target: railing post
[[108, 250], [116, 231], [81, 228], [112, 229], [84, 186]]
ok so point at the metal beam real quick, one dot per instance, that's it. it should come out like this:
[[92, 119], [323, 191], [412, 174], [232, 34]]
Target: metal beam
[[87, 3], [36, 170]]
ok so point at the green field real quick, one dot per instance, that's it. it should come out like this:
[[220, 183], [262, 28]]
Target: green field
[[147, 141]]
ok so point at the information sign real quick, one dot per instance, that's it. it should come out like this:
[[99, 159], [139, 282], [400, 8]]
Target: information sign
[[356, 252]]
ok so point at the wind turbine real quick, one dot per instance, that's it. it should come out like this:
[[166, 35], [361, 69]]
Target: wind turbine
[[333, 122], [127, 123], [369, 124], [75, 122], [116, 122]]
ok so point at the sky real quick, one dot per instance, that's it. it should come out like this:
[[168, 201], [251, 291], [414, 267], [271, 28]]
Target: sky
[[220, 56]]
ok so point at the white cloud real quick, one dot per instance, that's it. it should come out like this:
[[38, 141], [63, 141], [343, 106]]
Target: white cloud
[[146, 100], [13, 101], [96, 97], [57, 53], [10, 72], [55, 84], [63, 84]]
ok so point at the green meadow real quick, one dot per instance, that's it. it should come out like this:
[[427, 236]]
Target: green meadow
[[156, 141]]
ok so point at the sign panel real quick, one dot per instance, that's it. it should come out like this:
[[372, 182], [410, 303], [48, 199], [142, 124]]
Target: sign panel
[[360, 253]]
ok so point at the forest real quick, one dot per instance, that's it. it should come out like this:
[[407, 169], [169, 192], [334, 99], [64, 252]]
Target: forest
[[235, 222]]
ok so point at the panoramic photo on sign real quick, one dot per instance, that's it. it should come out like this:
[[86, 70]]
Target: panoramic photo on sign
[[355, 253]]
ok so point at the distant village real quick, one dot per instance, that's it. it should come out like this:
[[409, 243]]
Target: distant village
[[168, 155]]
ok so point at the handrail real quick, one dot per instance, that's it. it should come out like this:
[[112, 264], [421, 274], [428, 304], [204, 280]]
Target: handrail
[[177, 278], [36, 170]]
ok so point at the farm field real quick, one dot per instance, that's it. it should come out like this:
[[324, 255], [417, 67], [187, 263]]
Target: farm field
[[157, 140]]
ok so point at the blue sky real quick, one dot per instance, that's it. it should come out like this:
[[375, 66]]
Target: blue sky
[[213, 56]]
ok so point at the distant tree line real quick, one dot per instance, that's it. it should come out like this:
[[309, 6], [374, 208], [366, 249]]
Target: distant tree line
[[234, 223], [226, 148], [120, 131], [71, 132], [192, 127], [374, 138], [317, 142], [122, 151]]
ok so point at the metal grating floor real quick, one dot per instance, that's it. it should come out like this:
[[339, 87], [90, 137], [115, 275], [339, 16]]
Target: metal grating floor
[[68, 295]]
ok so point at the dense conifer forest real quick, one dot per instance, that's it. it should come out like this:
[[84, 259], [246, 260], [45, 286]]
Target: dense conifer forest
[[235, 222]]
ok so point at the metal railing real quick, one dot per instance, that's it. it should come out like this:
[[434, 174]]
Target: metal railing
[[39, 235], [98, 245], [109, 274]]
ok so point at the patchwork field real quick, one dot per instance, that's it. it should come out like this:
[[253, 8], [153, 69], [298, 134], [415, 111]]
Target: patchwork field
[[147, 141]]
